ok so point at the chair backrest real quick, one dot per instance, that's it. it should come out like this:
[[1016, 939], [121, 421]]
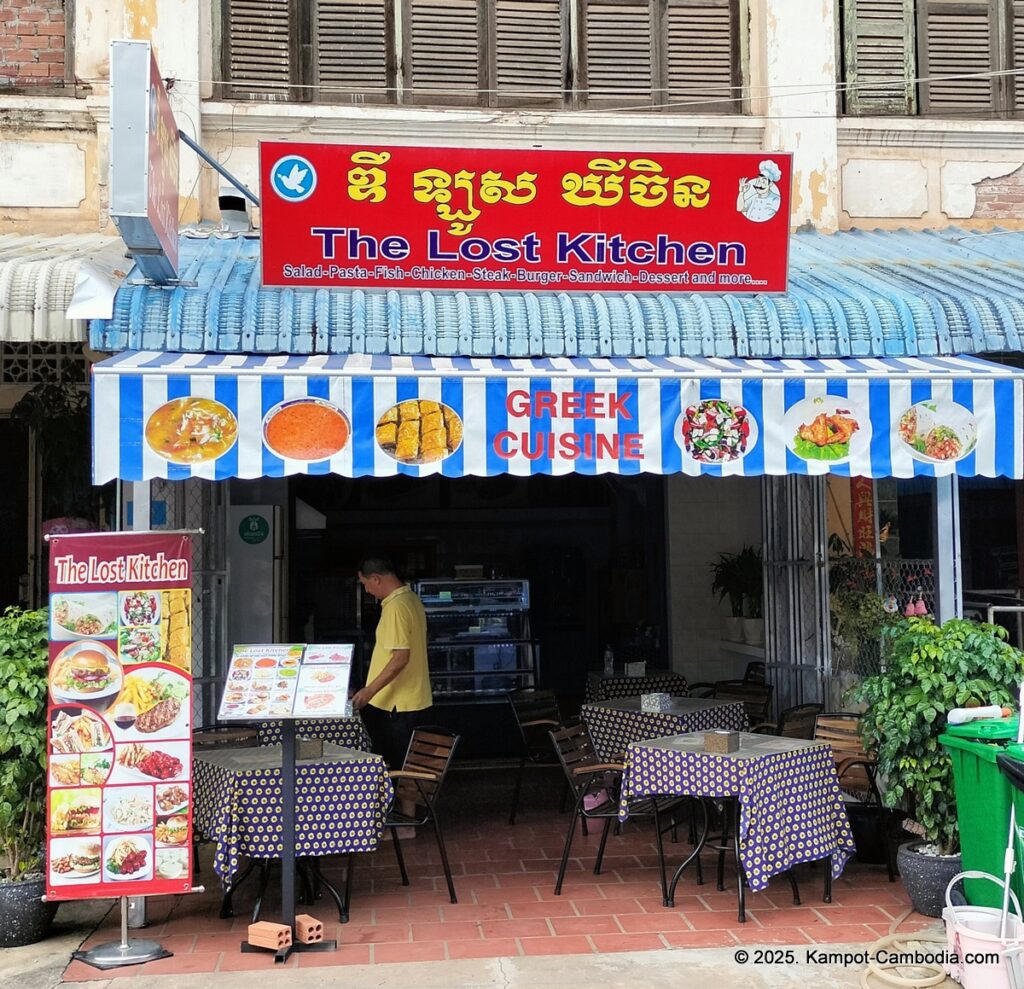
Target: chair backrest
[[574, 748], [799, 721], [529, 707], [755, 672], [755, 697], [839, 729], [430, 751]]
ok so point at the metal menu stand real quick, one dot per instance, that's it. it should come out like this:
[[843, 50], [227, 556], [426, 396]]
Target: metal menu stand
[[288, 852], [113, 954]]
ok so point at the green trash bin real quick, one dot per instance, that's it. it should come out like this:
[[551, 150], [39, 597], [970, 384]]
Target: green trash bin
[[983, 800]]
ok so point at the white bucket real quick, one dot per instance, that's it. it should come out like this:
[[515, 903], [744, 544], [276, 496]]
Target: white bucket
[[972, 931]]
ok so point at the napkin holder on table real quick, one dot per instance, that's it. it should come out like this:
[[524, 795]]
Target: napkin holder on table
[[309, 748], [721, 742], [636, 669], [655, 703]]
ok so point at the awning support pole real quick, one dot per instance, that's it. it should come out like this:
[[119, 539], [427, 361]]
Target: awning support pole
[[949, 586]]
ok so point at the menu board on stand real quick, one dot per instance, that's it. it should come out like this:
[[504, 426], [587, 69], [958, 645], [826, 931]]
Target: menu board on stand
[[287, 682], [119, 723]]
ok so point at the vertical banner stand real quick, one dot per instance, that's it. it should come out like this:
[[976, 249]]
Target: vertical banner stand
[[114, 954], [288, 853]]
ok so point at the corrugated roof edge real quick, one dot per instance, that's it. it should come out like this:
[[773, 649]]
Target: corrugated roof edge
[[852, 294]]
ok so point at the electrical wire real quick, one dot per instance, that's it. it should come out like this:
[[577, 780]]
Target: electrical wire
[[748, 91]]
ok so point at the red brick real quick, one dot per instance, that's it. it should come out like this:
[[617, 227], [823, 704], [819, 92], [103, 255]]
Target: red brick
[[350, 954], [33, 14], [556, 946], [494, 948], [515, 928], [627, 942], [420, 951], [699, 939], [653, 923], [374, 933], [585, 925], [181, 964], [841, 934], [464, 931], [553, 908], [774, 935], [22, 28], [264, 960]]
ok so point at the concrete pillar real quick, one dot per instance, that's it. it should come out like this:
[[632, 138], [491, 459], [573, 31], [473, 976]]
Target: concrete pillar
[[794, 56], [949, 581]]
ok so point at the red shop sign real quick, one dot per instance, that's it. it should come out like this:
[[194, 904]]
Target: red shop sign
[[367, 216]]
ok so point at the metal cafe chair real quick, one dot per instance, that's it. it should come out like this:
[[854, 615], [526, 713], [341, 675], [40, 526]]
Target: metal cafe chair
[[755, 672], [794, 722], [418, 787], [596, 787], [755, 697], [536, 712]]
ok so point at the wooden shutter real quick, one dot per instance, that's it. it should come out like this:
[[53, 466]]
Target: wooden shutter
[[1017, 54], [530, 48], [442, 52], [256, 61], [957, 38], [879, 56], [618, 55], [354, 58], [701, 56]]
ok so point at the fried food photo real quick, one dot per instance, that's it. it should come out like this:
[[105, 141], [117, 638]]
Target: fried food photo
[[419, 431]]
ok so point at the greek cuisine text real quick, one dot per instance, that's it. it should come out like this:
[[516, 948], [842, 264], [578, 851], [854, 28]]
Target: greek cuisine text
[[547, 444]]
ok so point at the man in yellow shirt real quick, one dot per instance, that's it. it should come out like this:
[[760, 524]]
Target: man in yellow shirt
[[397, 687]]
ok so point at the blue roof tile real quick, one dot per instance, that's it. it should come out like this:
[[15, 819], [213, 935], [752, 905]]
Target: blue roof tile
[[857, 293]]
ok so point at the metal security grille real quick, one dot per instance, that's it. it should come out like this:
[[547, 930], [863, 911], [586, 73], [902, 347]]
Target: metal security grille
[[797, 648], [198, 504], [858, 590], [32, 363]]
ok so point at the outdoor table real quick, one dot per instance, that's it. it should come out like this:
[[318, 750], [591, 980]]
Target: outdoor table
[[790, 808], [606, 688], [340, 802], [614, 725], [348, 732]]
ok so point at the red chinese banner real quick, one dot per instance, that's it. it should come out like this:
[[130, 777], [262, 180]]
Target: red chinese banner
[[119, 749], [862, 503], [464, 219]]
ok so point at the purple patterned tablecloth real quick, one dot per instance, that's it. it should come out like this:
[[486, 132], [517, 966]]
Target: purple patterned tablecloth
[[602, 688], [615, 725], [791, 809], [340, 801], [348, 732]]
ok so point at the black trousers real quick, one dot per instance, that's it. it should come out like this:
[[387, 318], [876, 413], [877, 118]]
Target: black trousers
[[390, 732]]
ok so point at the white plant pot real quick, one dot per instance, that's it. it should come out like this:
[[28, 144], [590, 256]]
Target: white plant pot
[[753, 631], [732, 629]]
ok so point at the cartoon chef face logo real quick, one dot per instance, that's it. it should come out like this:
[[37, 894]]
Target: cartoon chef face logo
[[759, 197]]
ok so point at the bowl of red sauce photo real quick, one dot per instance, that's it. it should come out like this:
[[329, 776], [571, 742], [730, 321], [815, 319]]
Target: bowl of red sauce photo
[[308, 429]]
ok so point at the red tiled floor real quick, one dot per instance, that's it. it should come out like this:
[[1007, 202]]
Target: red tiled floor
[[504, 878]]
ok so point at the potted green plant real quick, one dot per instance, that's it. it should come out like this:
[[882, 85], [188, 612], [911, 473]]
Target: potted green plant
[[24, 917], [726, 583], [928, 670], [750, 565]]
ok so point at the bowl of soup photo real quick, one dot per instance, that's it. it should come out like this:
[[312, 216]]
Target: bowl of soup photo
[[191, 430], [308, 429]]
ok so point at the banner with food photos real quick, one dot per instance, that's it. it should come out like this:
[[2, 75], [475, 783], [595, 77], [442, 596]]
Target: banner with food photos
[[119, 749], [216, 416]]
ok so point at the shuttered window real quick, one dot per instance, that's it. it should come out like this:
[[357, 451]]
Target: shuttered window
[[677, 54], [948, 58], [354, 54]]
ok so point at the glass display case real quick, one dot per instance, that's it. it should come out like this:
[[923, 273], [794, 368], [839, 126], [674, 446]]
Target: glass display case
[[478, 638]]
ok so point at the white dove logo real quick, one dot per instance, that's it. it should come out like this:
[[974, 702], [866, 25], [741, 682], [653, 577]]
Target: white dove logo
[[293, 178]]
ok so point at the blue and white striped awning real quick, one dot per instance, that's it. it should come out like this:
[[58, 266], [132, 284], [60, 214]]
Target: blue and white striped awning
[[215, 416]]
